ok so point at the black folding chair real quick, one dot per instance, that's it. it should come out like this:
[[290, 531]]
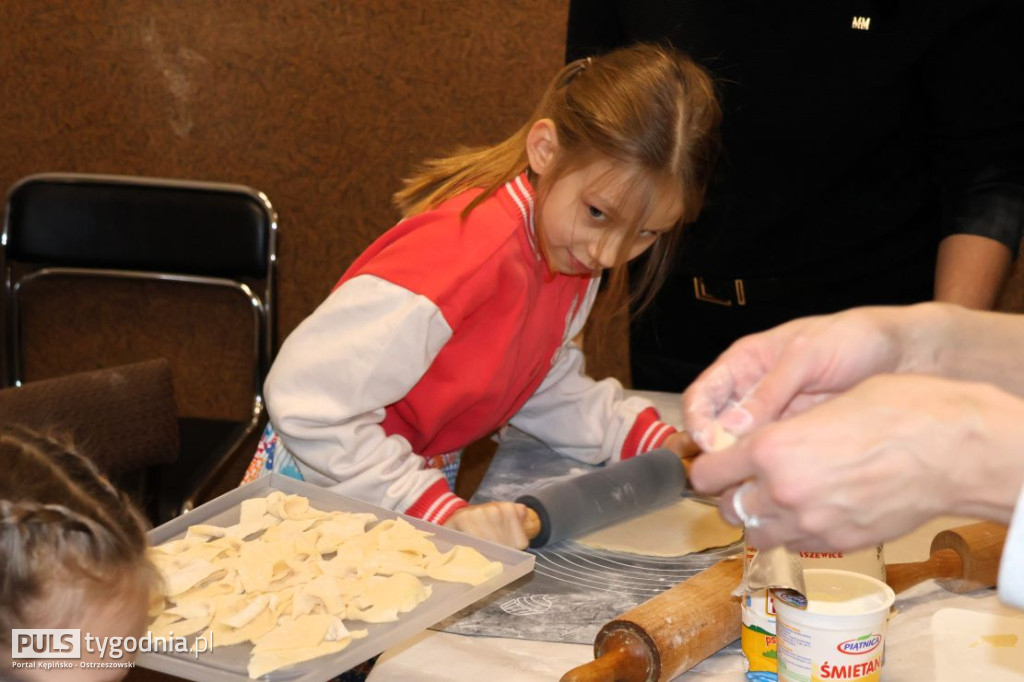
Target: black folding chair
[[180, 233]]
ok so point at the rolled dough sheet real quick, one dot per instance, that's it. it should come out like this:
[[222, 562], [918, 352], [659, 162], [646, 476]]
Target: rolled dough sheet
[[680, 528]]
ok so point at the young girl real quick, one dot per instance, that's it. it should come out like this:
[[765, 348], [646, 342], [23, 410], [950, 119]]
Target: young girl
[[462, 318], [72, 554]]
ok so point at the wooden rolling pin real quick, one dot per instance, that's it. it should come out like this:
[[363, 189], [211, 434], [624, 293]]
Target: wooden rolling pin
[[962, 559], [670, 633], [531, 525]]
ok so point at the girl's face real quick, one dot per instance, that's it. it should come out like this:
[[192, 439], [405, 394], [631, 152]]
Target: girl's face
[[585, 215]]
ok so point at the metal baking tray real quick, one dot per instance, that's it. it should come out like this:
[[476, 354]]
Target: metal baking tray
[[229, 663]]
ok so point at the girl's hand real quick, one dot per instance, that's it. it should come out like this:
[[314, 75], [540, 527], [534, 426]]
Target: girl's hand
[[681, 444], [500, 522], [873, 463]]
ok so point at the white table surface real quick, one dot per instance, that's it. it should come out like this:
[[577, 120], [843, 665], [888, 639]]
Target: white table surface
[[918, 627]]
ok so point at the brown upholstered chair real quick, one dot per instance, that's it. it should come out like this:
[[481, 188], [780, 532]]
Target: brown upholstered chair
[[124, 418]]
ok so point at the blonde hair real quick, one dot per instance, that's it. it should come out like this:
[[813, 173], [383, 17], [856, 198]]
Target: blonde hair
[[63, 526], [646, 106]]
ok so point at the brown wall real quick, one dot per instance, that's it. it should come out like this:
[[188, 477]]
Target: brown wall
[[321, 105]]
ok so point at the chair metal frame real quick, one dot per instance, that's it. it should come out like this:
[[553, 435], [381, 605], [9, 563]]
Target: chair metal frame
[[262, 302]]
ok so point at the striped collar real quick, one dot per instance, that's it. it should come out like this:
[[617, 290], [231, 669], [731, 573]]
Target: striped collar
[[521, 193]]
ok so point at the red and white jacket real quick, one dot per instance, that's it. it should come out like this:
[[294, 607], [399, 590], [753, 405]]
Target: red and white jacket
[[443, 331]]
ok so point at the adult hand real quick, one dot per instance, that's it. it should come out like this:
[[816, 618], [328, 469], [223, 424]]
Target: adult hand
[[785, 370], [873, 463], [500, 522]]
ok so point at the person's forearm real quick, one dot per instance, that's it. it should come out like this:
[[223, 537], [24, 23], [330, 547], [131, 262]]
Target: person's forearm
[[952, 341], [987, 476], [970, 270]]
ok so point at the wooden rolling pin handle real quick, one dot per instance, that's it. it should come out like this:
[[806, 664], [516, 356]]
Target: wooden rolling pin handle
[[944, 564], [624, 657], [962, 559], [531, 524], [980, 547], [688, 464]]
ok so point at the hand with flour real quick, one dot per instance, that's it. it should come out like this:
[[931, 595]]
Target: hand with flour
[[844, 439], [785, 370], [874, 463]]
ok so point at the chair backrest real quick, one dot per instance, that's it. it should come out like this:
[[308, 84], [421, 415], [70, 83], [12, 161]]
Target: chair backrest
[[124, 418], [104, 270], [200, 233]]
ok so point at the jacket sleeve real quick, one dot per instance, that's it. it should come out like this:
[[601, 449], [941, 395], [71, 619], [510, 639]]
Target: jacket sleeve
[[364, 348], [588, 420], [1011, 566]]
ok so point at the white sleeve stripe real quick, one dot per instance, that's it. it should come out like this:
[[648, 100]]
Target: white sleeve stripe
[[434, 508], [449, 499], [449, 508], [653, 433], [662, 434], [641, 447]]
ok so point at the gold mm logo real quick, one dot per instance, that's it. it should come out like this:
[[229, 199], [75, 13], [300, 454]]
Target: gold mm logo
[[861, 23]]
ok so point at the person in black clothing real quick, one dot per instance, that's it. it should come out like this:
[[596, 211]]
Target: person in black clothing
[[873, 153]]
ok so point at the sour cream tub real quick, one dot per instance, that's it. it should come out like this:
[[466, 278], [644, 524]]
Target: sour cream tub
[[836, 632], [757, 608]]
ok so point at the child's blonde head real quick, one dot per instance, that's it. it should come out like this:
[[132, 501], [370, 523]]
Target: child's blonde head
[[646, 107], [69, 541]]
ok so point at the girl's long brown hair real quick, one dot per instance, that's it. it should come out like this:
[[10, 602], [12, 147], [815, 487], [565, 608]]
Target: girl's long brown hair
[[651, 108]]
